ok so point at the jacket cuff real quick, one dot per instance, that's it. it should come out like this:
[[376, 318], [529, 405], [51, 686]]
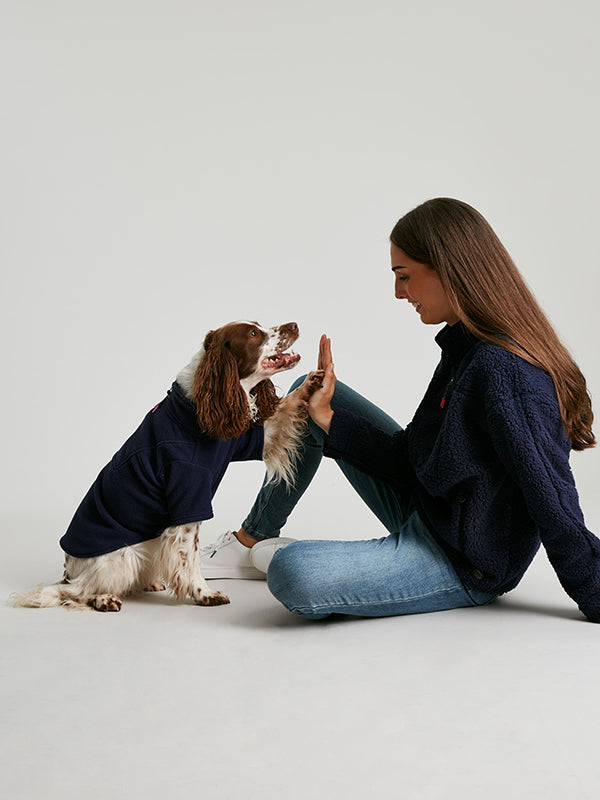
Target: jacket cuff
[[591, 608], [343, 423]]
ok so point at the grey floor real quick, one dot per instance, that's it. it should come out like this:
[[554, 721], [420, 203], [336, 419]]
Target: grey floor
[[247, 701]]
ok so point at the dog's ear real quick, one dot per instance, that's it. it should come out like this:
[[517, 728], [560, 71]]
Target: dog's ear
[[222, 408], [265, 398]]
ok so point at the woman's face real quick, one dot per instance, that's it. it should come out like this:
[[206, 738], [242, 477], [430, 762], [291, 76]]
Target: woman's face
[[420, 285]]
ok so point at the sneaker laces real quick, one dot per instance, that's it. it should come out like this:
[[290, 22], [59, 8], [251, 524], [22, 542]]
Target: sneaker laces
[[211, 549]]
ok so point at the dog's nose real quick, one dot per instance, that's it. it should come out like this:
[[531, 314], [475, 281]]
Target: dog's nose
[[289, 327]]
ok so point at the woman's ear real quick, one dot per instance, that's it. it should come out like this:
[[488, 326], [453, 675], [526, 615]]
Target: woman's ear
[[265, 398], [222, 409]]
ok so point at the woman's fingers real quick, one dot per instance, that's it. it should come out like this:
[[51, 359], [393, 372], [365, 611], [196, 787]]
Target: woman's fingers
[[324, 352], [319, 405], [329, 381], [320, 358]]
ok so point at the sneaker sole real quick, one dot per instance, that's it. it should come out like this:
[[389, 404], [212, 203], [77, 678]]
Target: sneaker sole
[[270, 546], [241, 573]]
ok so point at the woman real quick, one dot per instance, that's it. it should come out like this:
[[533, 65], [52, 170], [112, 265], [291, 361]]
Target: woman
[[479, 477]]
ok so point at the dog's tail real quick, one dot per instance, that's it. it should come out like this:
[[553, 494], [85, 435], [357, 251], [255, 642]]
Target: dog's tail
[[45, 596]]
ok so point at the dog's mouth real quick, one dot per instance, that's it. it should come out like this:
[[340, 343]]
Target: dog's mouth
[[281, 361]]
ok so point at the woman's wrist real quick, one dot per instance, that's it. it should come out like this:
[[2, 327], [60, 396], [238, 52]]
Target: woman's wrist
[[323, 419]]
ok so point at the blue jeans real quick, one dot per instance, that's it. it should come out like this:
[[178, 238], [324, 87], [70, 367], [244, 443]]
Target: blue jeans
[[405, 572]]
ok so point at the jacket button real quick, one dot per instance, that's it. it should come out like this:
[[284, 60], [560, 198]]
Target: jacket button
[[477, 574]]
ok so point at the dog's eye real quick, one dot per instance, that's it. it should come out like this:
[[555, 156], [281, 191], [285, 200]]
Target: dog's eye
[[253, 333]]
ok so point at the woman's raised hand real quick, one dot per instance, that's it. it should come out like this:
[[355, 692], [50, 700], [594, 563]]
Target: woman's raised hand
[[319, 405]]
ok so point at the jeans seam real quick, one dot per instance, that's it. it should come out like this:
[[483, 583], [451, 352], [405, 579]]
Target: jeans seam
[[380, 602], [251, 529]]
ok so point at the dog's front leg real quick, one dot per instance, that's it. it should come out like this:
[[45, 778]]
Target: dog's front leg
[[179, 566], [285, 428], [302, 394]]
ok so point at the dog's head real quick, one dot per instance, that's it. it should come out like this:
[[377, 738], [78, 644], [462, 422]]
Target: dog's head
[[237, 363]]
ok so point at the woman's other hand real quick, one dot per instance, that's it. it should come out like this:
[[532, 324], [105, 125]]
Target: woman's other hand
[[319, 405]]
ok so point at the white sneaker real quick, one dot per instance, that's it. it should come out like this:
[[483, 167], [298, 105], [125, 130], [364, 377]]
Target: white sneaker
[[262, 552], [228, 558]]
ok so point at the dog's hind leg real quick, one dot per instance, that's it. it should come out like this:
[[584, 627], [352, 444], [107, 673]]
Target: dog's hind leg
[[179, 564], [100, 582], [150, 577], [105, 602]]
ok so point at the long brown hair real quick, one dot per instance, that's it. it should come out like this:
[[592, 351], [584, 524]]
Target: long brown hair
[[492, 300]]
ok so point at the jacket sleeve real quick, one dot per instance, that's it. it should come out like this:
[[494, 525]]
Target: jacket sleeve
[[375, 452], [529, 438], [249, 446]]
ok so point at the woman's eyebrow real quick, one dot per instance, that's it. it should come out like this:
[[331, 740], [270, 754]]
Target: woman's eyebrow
[[398, 267]]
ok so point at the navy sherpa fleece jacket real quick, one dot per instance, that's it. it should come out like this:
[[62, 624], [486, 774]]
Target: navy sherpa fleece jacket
[[165, 474], [485, 461]]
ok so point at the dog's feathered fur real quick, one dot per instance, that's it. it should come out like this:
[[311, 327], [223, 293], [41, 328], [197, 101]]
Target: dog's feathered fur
[[228, 381]]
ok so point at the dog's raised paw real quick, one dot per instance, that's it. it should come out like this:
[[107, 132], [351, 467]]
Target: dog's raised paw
[[105, 602], [314, 381]]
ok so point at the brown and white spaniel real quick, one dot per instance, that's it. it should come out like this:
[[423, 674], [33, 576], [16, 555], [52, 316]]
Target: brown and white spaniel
[[138, 526]]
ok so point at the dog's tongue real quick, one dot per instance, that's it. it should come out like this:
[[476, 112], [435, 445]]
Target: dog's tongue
[[283, 360]]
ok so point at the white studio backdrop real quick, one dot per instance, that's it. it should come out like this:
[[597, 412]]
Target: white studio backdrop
[[170, 166]]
